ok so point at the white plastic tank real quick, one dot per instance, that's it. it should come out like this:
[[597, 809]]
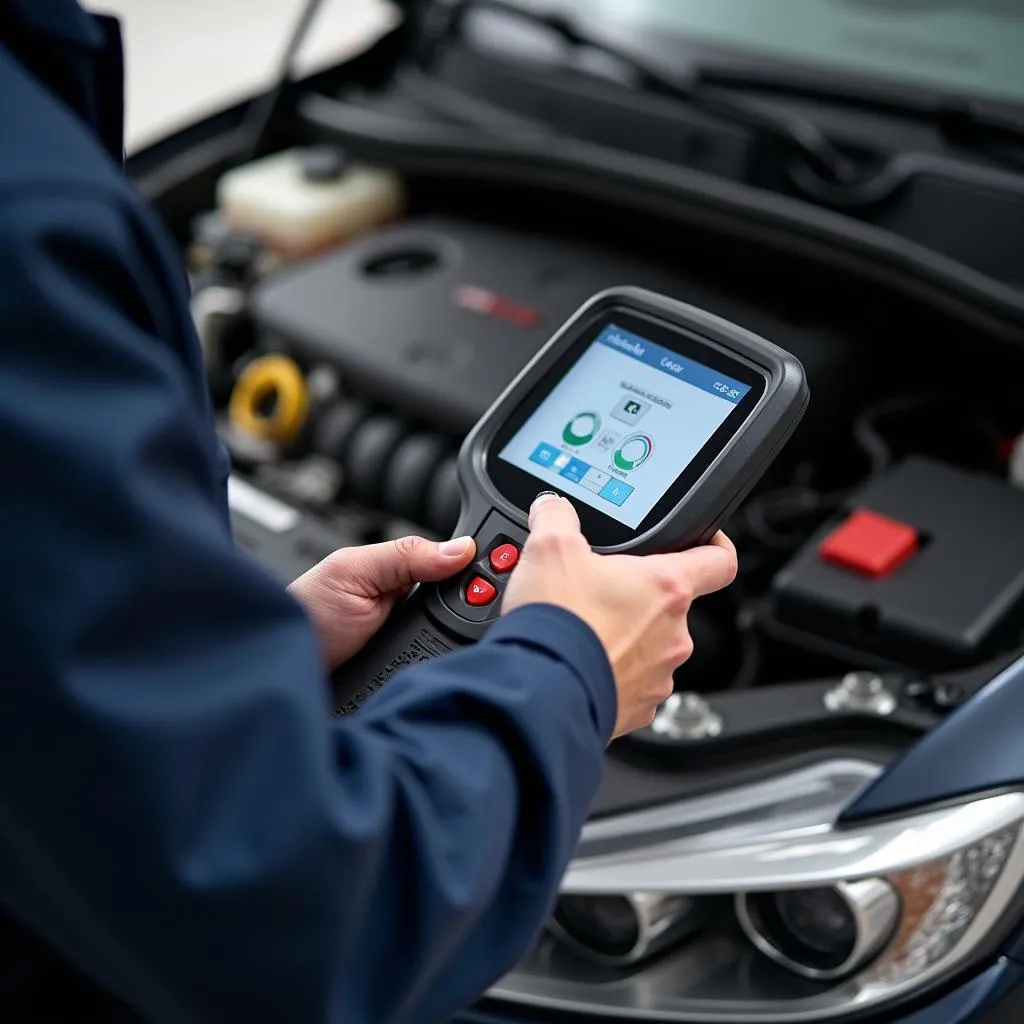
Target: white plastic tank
[[301, 201]]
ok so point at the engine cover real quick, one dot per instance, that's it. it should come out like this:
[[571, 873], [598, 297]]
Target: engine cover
[[434, 317]]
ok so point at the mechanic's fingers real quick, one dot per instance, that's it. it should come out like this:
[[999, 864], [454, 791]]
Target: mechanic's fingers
[[398, 564], [708, 568], [722, 540], [551, 514]]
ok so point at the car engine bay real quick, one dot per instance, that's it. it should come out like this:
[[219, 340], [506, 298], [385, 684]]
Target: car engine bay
[[362, 297], [404, 336]]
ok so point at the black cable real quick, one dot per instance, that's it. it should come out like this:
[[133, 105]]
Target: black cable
[[869, 438], [797, 132], [262, 111], [765, 516], [867, 435], [749, 668]]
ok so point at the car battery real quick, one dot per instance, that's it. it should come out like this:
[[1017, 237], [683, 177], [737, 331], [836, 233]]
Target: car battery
[[923, 568]]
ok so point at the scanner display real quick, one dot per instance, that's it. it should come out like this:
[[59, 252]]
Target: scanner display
[[623, 424]]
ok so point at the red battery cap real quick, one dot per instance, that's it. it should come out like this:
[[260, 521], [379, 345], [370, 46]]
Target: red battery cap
[[870, 543]]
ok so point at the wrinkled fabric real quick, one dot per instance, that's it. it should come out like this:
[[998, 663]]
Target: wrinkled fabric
[[186, 832]]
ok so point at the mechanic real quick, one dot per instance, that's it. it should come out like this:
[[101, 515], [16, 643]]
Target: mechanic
[[182, 819]]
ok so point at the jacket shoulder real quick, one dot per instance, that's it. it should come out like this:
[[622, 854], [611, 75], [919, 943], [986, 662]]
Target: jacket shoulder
[[43, 141]]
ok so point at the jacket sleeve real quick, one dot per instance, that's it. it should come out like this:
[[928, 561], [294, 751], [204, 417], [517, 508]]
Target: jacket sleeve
[[181, 815]]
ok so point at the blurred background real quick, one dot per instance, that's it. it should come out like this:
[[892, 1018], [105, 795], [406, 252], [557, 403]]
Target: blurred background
[[186, 57], [189, 57]]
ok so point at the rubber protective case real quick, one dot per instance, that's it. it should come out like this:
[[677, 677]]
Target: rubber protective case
[[726, 481]]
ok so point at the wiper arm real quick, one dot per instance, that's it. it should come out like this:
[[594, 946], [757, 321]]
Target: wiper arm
[[799, 134]]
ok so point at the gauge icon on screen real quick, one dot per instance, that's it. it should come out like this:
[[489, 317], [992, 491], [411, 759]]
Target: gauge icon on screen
[[634, 451], [581, 428]]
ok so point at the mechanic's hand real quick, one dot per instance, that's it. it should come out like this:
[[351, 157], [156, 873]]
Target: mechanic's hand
[[637, 605], [352, 591]]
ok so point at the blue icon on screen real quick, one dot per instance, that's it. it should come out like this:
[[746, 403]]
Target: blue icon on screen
[[544, 455], [575, 470], [615, 491]]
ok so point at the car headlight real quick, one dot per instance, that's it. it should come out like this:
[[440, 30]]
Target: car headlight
[[755, 904], [621, 930]]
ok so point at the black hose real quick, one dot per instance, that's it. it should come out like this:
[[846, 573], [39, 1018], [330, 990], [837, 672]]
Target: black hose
[[750, 652]]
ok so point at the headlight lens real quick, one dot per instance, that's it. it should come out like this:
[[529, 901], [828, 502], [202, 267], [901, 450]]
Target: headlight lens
[[622, 930], [855, 917], [822, 933], [826, 932], [817, 923], [608, 925]]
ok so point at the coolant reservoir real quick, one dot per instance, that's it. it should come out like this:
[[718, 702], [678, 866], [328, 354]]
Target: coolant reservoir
[[301, 201]]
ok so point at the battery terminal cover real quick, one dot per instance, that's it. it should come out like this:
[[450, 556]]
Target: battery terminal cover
[[870, 543]]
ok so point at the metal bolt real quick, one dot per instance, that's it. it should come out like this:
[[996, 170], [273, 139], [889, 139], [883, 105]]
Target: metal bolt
[[949, 695], [686, 716], [316, 480], [861, 691], [917, 691], [322, 383]]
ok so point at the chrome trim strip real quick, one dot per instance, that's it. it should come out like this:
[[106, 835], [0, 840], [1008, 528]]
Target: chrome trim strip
[[806, 797], [791, 858]]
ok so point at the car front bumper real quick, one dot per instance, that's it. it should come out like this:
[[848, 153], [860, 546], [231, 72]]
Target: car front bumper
[[995, 996]]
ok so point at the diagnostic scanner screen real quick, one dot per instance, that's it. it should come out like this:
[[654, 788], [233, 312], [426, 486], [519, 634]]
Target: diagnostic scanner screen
[[623, 424]]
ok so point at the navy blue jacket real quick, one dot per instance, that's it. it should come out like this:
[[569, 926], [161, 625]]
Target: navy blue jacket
[[181, 817]]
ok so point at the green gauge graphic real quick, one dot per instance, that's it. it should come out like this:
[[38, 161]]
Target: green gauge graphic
[[633, 452], [581, 428]]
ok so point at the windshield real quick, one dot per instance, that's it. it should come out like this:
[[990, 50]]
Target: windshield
[[967, 47]]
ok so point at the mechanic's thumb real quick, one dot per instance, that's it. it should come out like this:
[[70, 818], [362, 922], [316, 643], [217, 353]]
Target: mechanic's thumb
[[550, 513], [409, 560], [707, 568]]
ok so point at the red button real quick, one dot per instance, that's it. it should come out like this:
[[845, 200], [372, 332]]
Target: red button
[[479, 592], [869, 543], [504, 557]]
